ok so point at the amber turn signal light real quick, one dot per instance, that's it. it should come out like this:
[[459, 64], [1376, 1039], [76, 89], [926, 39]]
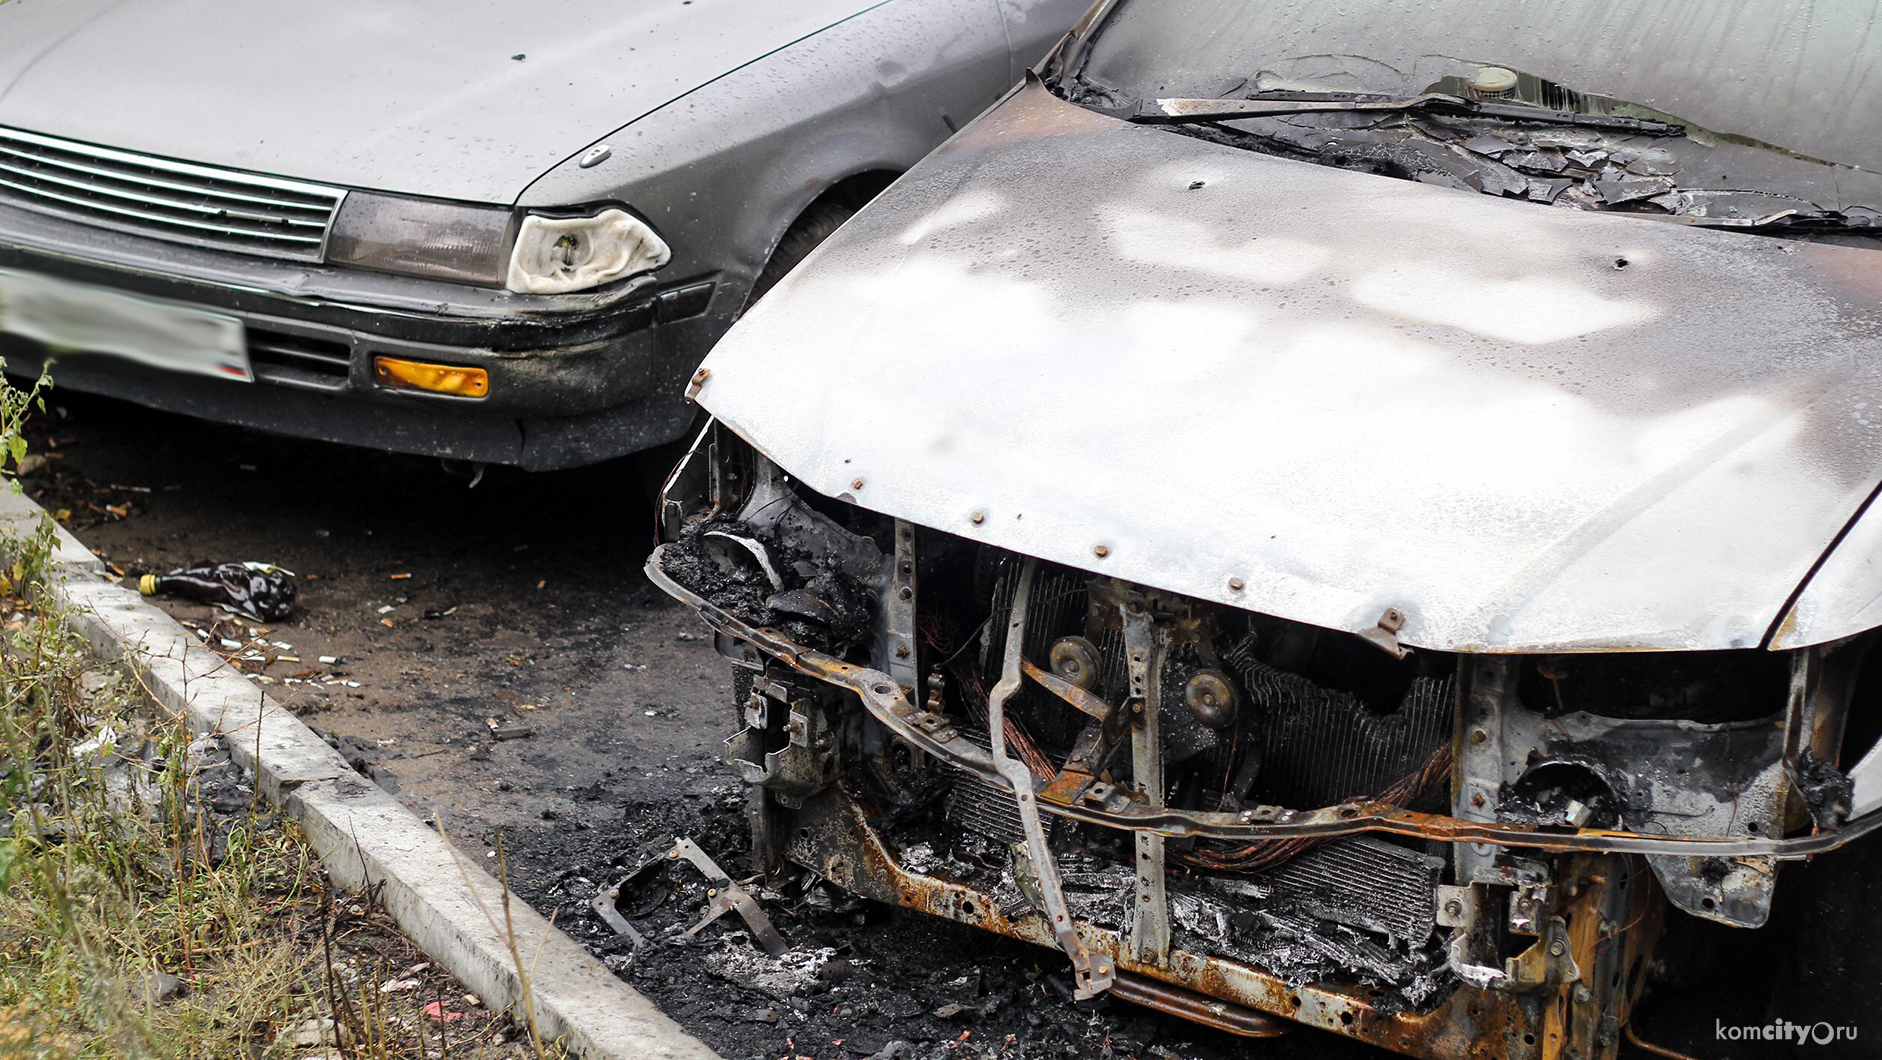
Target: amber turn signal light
[[436, 378]]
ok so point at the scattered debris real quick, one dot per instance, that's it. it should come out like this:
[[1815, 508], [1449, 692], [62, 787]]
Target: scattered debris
[[722, 896], [438, 1012], [507, 730], [1827, 790], [261, 591]]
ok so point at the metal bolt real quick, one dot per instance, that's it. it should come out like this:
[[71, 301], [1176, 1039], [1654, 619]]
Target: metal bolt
[[1101, 551], [905, 593], [1454, 907], [976, 517], [901, 651], [673, 853], [1237, 585], [1557, 948], [712, 892], [856, 483], [1583, 994], [1478, 736], [1476, 799]]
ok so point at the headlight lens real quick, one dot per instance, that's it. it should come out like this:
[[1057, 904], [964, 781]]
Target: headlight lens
[[422, 237], [486, 246], [558, 254]]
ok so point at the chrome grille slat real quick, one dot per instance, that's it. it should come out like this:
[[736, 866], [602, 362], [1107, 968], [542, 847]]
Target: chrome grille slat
[[164, 199], [130, 176], [157, 218], [159, 201]]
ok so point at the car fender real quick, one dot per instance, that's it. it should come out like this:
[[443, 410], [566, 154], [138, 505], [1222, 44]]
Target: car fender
[[723, 171]]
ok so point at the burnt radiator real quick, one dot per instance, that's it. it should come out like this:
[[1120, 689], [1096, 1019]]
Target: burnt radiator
[[981, 809], [1365, 883], [1321, 746]]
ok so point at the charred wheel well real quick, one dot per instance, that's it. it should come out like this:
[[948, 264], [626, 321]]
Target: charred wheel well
[[814, 223], [854, 191]]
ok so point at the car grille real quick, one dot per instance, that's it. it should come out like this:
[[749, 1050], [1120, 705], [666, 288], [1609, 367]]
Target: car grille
[[298, 360], [156, 197]]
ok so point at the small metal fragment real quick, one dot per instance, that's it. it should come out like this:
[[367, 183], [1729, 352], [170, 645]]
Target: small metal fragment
[[1385, 635], [723, 896], [507, 730]]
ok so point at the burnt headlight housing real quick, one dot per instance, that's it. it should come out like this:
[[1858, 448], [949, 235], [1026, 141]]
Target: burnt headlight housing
[[546, 252], [556, 255]]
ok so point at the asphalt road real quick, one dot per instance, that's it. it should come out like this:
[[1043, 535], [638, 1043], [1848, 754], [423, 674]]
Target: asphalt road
[[444, 605], [431, 608]]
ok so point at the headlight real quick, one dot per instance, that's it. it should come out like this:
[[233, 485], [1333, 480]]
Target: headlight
[[420, 237], [557, 254], [486, 246]]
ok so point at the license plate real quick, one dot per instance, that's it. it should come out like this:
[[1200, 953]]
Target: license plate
[[74, 318]]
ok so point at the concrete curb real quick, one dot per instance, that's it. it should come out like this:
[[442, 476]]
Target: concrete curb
[[363, 835]]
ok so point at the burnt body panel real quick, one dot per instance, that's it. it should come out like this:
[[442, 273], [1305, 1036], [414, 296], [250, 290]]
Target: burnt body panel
[[1394, 396]]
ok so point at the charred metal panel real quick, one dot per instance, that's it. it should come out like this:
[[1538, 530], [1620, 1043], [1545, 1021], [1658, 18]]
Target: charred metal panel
[[1502, 437]]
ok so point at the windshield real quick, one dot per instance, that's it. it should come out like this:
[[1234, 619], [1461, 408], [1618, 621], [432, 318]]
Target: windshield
[[1778, 99]]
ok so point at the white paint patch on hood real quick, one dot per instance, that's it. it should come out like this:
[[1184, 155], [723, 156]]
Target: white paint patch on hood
[[1531, 310]]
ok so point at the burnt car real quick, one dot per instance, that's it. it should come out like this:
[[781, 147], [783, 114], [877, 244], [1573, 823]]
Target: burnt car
[[487, 231], [1351, 516]]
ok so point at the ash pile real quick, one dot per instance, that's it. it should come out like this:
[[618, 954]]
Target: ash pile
[[856, 979]]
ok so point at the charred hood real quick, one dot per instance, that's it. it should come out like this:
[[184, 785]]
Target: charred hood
[[1323, 394]]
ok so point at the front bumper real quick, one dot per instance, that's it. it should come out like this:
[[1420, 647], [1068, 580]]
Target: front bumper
[[573, 378]]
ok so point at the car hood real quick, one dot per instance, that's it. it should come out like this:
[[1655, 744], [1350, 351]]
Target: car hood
[[1321, 394], [468, 100]]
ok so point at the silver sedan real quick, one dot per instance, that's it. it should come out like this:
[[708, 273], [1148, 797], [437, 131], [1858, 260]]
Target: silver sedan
[[492, 232]]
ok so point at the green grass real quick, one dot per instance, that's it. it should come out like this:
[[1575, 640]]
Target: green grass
[[103, 888], [111, 873]]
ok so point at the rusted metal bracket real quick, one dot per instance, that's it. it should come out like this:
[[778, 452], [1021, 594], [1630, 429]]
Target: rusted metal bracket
[[1197, 1008], [899, 646], [1080, 699], [722, 896], [1092, 974], [1384, 636], [1150, 913]]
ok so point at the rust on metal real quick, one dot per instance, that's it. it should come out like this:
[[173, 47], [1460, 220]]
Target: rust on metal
[[888, 703], [1197, 1008], [840, 842]]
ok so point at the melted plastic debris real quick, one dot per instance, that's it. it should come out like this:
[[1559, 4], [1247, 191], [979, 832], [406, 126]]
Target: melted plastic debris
[[766, 580]]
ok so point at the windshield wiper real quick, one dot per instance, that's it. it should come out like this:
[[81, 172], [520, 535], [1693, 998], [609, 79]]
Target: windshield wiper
[[1268, 105], [1800, 220]]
